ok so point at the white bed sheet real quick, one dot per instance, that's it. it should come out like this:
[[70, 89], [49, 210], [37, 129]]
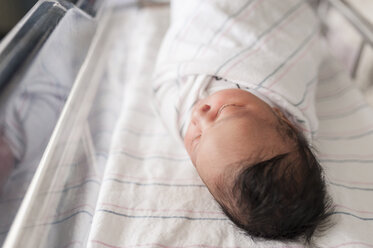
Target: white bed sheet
[[151, 195]]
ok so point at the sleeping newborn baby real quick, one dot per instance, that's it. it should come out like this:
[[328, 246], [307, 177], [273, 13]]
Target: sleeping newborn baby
[[257, 165], [235, 81]]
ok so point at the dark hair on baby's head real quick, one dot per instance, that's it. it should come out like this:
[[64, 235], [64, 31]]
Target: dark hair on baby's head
[[283, 198]]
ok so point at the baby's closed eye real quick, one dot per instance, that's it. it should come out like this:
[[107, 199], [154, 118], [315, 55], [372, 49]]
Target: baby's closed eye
[[225, 106]]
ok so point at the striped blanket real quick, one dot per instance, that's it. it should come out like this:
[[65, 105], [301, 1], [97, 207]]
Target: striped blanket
[[153, 197], [149, 194], [268, 46]]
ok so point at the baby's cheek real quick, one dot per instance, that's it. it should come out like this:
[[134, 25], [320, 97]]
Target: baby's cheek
[[188, 138]]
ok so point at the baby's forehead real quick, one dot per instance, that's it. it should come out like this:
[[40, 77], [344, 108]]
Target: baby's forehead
[[242, 118], [242, 128], [234, 139]]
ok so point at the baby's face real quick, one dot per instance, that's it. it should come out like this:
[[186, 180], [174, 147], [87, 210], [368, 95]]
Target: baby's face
[[230, 126]]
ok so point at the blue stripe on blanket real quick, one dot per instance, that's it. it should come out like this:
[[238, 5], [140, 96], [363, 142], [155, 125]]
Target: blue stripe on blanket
[[159, 217], [240, 10], [353, 215], [262, 35], [57, 221], [350, 187], [311, 82], [295, 52]]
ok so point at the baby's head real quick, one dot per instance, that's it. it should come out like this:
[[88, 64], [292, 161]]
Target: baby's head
[[258, 166]]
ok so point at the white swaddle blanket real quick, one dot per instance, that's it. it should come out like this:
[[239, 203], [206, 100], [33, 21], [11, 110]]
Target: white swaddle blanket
[[151, 195], [266, 47]]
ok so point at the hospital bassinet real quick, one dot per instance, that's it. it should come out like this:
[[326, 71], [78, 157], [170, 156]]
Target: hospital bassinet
[[107, 173]]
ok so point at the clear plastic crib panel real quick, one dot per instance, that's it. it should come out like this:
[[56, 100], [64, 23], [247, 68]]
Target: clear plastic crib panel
[[40, 60]]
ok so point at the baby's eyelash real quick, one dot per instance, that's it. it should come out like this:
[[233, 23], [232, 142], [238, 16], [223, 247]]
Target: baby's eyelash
[[224, 106]]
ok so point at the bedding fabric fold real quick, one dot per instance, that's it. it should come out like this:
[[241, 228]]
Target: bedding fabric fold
[[269, 47]]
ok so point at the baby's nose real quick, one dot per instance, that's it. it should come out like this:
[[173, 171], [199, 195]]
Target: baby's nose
[[202, 115], [205, 108]]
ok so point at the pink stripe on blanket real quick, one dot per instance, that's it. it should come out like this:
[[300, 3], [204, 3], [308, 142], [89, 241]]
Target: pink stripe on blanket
[[292, 65], [220, 35], [352, 243], [239, 17]]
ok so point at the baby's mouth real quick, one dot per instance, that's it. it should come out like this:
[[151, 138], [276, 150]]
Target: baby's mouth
[[194, 139], [194, 145]]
